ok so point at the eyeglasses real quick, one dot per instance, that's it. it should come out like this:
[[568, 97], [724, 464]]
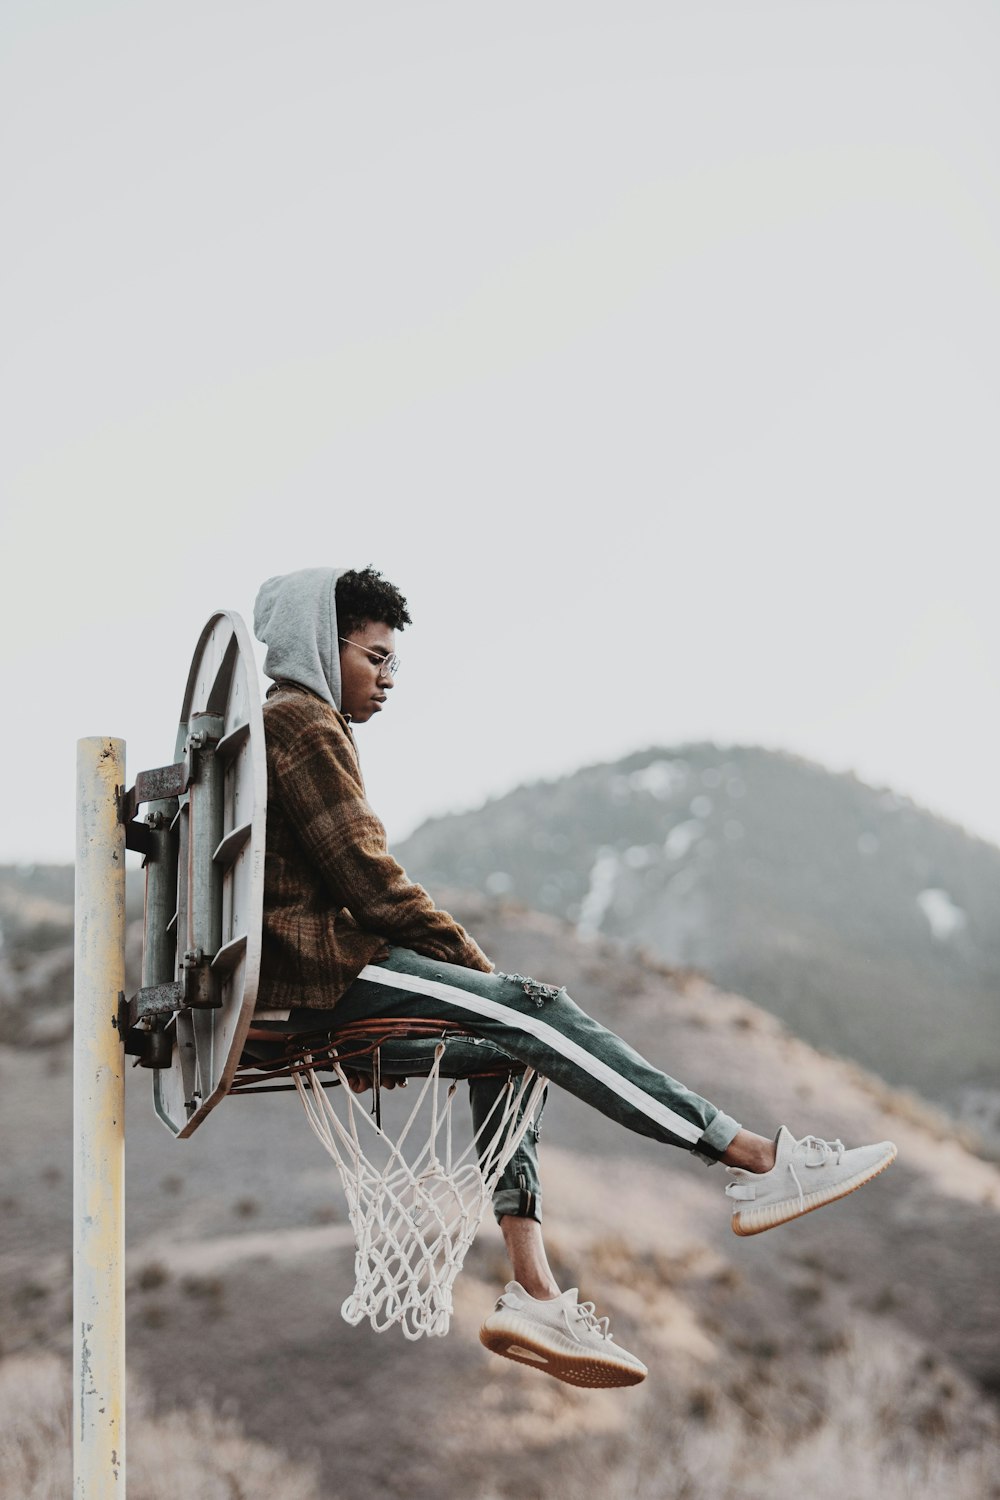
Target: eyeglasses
[[388, 666]]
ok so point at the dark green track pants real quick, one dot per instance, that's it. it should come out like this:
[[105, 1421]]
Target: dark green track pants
[[527, 1024]]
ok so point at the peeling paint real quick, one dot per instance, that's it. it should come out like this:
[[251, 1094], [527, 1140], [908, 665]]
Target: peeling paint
[[98, 1127], [85, 1391]]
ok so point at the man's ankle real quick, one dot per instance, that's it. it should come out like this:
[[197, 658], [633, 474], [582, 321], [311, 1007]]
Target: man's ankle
[[542, 1291], [753, 1153]]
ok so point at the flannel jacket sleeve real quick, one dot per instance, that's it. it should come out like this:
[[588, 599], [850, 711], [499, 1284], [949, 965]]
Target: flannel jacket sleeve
[[318, 779]]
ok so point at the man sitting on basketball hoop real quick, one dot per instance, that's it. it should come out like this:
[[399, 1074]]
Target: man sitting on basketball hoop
[[336, 903]]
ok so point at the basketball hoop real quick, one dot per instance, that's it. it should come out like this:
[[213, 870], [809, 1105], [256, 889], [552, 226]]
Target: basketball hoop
[[415, 1219], [193, 1020]]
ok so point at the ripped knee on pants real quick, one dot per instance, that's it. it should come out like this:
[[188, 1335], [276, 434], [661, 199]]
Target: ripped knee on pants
[[533, 989]]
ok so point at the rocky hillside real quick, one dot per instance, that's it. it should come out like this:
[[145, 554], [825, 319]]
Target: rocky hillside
[[852, 1353], [36, 950], [867, 924]]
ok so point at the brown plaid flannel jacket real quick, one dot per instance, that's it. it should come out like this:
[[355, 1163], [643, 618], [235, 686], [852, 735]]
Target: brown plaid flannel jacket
[[334, 898]]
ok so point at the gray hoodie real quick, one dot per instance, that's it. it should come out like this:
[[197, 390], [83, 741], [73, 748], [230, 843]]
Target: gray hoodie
[[295, 616]]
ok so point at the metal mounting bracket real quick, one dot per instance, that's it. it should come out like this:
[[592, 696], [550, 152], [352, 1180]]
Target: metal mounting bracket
[[152, 1047]]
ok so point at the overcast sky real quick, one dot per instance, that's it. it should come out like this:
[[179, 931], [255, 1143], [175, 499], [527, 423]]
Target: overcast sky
[[651, 349]]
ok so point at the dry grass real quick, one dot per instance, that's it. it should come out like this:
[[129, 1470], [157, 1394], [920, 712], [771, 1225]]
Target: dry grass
[[195, 1453], [877, 1425]]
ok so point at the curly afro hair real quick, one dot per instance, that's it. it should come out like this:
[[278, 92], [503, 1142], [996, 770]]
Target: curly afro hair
[[366, 595]]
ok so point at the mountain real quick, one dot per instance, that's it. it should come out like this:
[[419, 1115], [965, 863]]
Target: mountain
[[864, 922]]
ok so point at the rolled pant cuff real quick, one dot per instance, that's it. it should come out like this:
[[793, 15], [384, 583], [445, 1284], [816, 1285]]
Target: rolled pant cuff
[[717, 1136], [518, 1203]]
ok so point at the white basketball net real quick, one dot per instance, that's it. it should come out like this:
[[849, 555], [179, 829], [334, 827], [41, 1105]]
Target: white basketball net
[[414, 1221]]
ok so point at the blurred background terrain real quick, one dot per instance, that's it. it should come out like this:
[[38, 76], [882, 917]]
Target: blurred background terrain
[[853, 1352]]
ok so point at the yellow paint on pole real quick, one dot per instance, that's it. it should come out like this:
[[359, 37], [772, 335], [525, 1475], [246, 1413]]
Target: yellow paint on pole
[[99, 1127]]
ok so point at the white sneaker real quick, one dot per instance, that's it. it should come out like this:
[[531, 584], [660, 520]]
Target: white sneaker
[[563, 1337], [806, 1174]]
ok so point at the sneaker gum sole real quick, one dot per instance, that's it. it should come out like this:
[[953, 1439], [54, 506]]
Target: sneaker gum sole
[[517, 1338], [755, 1220]]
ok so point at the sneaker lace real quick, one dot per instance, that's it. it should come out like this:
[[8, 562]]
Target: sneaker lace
[[586, 1313], [818, 1152]]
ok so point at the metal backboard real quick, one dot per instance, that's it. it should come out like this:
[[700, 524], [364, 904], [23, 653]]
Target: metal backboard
[[205, 890]]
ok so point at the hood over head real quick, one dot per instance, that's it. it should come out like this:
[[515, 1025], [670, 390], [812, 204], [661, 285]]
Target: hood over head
[[295, 616]]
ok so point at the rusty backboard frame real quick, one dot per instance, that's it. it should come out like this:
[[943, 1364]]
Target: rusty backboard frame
[[203, 839]]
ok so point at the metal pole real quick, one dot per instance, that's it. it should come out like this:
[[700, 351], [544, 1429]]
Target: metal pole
[[99, 1127]]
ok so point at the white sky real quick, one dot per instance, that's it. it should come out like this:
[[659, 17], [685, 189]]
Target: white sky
[[650, 348]]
